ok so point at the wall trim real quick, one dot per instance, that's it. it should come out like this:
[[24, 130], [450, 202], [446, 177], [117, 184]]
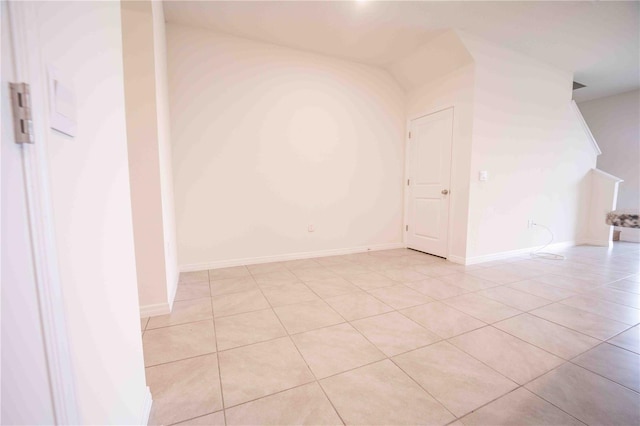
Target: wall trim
[[155, 309], [174, 290], [291, 256], [599, 243], [457, 259], [585, 127], [146, 407], [165, 308], [510, 253]]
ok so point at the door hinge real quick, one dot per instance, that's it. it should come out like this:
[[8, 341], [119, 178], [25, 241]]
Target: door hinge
[[406, 227], [409, 135], [408, 182], [21, 106]]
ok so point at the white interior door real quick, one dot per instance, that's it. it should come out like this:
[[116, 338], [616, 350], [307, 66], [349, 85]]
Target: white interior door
[[25, 379], [429, 177], [37, 385]]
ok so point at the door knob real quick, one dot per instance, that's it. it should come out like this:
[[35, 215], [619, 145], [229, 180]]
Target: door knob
[[444, 191]]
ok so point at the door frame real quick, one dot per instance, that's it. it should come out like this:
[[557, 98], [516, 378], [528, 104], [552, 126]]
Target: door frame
[[23, 29], [407, 166]]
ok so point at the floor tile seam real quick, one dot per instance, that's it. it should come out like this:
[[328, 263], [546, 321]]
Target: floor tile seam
[[539, 347], [180, 359], [194, 282], [622, 304], [593, 313], [528, 390], [619, 289], [505, 304], [551, 402], [298, 282], [345, 321], [620, 347], [508, 286], [193, 298], [575, 365], [388, 312], [197, 417], [524, 385], [215, 338], [385, 313], [326, 395], [236, 278], [422, 387], [304, 359], [572, 329], [603, 376], [397, 366], [247, 312], [423, 326], [480, 361], [179, 324], [290, 335], [268, 395], [514, 336], [522, 340], [404, 285], [484, 324], [600, 315], [317, 294], [233, 292], [481, 320], [586, 294], [623, 331], [434, 299]]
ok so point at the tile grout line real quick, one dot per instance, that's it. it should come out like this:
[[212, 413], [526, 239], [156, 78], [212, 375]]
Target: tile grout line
[[303, 359], [398, 310], [197, 417], [215, 338], [401, 313], [491, 325], [386, 357]]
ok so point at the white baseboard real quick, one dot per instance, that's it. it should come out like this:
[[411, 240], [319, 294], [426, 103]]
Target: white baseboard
[[599, 243], [282, 257], [507, 254], [146, 409], [457, 259], [160, 308], [155, 309]]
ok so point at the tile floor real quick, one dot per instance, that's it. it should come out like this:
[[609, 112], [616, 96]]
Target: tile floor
[[400, 337]]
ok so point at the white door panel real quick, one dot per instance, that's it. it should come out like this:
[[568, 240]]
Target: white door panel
[[25, 379], [429, 178]]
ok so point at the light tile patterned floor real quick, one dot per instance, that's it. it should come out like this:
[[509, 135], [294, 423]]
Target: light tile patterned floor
[[400, 337]]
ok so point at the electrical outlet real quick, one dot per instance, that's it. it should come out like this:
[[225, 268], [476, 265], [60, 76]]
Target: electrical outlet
[[311, 228], [530, 223]]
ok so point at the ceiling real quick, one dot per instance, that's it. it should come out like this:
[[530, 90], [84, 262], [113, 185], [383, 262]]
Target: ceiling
[[599, 41]]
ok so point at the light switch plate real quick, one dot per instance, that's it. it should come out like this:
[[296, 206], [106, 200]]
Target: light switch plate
[[483, 176], [62, 104]]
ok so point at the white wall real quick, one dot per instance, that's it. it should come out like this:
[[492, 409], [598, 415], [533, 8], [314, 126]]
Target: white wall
[[267, 140], [615, 124], [527, 137], [164, 148], [92, 212], [149, 154]]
